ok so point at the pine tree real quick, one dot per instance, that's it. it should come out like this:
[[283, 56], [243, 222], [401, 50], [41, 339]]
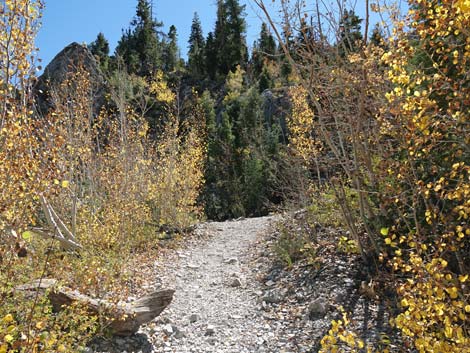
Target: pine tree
[[171, 56], [267, 44], [140, 48], [210, 54], [349, 32], [236, 43], [100, 49], [196, 49], [229, 36], [264, 50]]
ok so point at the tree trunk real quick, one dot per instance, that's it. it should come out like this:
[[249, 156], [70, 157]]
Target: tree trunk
[[122, 319]]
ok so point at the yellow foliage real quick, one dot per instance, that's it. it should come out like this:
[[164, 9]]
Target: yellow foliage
[[301, 124], [159, 87], [179, 174], [430, 129]]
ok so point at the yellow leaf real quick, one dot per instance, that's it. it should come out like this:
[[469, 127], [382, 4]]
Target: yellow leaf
[[8, 318], [8, 338], [384, 231], [65, 183]]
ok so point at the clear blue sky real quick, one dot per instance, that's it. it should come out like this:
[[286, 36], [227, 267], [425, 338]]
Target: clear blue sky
[[67, 21]]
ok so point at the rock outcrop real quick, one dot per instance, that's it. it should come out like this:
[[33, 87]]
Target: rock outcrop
[[72, 58]]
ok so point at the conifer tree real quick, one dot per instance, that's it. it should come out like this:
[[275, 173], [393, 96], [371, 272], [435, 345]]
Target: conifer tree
[[100, 50], [171, 56], [140, 48], [349, 32], [237, 50], [229, 36], [210, 54], [196, 42], [264, 50]]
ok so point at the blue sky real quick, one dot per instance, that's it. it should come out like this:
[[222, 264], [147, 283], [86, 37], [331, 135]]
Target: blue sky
[[67, 21]]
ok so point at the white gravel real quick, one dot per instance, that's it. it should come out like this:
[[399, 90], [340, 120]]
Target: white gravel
[[216, 282]]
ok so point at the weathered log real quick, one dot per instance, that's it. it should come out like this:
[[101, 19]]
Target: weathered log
[[121, 319]]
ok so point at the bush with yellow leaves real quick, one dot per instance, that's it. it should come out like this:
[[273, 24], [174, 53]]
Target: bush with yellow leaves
[[28, 169], [401, 139], [429, 187]]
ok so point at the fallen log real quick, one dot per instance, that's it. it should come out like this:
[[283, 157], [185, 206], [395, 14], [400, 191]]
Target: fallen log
[[121, 319]]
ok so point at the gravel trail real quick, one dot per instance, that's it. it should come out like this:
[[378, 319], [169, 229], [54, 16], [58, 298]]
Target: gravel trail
[[233, 297], [216, 305]]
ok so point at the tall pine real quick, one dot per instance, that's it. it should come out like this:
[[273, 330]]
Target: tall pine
[[264, 52], [171, 55], [196, 65], [100, 50], [139, 46], [229, 36], [210, 55], [349, 32]]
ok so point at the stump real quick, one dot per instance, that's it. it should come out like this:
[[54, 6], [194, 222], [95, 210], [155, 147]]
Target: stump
[[125, 319]]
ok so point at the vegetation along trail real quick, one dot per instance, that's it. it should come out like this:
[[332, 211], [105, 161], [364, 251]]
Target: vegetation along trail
[[219, 303]]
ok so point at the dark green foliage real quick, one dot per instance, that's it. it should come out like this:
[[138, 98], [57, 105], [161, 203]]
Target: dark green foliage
[[196, 65], [100, 49], [264, 50], [243, 151], [349, 32], [171, 58], [229, 36], [140, 47], [210, 54], [265, 80], [286, 69]]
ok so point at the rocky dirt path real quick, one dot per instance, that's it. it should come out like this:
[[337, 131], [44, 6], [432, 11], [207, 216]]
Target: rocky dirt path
[[216, 307], [233, 297]]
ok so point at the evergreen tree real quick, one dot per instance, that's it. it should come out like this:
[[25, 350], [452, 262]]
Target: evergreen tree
[[267, 44], [236, 43], [196, 42], [126, 54], [229, 36], [140, 47], [264, 50], [210, 54], [349, 32], [265, 80], [100, 49], [171, 56]]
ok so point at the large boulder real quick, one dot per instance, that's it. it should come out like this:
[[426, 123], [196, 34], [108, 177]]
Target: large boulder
[[72, 58]]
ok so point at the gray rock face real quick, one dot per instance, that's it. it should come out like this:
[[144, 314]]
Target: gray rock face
[[72, 58]]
